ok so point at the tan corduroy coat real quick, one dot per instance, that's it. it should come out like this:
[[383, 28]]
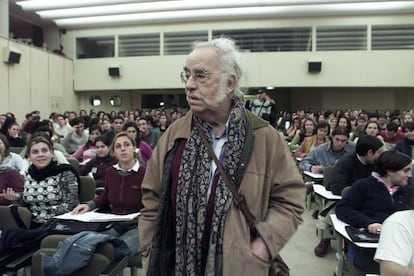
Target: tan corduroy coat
[[272, 185]]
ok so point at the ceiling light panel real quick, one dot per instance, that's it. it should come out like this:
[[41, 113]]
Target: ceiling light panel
[[37, 5], [157, 7], [244, 12]]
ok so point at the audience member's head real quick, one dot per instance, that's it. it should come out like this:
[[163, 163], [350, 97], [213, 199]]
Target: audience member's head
[[392, 161], [369, 147]]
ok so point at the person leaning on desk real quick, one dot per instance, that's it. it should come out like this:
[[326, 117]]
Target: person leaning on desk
[[371, 200]]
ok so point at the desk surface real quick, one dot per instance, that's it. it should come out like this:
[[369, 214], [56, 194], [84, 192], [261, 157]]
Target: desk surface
[[313, 175], [321, 190], [340, 228]]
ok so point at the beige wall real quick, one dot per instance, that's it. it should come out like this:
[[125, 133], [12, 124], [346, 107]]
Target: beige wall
[[41, 81]]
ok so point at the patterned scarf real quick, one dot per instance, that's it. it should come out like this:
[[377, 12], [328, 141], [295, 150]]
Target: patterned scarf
[[193, 183]]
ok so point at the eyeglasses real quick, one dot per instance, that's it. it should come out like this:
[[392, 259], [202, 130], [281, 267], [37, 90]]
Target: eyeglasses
[[199, 76]]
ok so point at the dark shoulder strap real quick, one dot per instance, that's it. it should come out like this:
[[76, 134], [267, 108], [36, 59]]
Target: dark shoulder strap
[[14, 211]]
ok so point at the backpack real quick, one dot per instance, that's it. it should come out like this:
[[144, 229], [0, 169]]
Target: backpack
[[20, 239]]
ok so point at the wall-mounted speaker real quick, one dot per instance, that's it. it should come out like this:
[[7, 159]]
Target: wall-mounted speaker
[[11, 55], [314, 66], [114, 71]]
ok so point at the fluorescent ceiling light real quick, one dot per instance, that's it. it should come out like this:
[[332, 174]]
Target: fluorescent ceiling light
[[36, 5], [153, 7], [244, 12]]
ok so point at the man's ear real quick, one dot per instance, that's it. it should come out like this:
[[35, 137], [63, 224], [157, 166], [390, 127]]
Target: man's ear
[[231, 83]]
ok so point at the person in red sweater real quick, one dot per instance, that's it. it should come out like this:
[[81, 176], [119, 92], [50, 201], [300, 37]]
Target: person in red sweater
[[122, 194]]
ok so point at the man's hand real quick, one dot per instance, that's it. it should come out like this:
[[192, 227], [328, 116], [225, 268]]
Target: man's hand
[[375, 228], [316, 169], [259, 249]]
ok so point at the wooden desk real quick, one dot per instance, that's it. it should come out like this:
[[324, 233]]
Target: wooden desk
[[341, 234]]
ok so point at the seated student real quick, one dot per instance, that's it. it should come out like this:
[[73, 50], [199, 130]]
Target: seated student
[[77, 136], [10, 159], [406, 145], [328, 154], [395, 252], [49, 189], [356, 165], [308, 129], [371, 200], [9, 178], [13, 135], [312, 142], [144, 149], [391, 135], [122, 190], [147, 134], [97, 166], [88, 150]]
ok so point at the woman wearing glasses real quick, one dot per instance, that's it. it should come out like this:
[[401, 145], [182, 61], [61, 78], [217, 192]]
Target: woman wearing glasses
[[122, 194]]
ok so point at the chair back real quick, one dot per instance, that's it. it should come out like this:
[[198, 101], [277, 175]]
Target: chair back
[[16, 150], [75, 163], [87, 187], [7, 220]]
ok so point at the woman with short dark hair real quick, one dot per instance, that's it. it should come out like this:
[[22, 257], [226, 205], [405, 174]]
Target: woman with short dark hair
[[371, 200], [97, 166]]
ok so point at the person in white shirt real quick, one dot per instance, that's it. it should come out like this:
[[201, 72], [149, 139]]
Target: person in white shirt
[[62, 126], [395, 252]]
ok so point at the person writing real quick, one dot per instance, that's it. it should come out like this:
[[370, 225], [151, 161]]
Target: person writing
[[190, 223], [122, 194]]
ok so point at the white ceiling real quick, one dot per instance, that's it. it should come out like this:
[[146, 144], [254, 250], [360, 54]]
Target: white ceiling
[[73, 14]]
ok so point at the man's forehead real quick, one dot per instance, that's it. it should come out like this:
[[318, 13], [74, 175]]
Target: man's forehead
[[341, 137], [201, 58]]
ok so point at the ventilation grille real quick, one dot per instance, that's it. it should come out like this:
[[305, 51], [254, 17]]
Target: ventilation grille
[[398, 37], [341, 38], [139, 45], [270, 40], [179, 43]]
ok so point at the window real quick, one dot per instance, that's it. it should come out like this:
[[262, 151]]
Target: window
[[180, 43], [95, 47], [95, 100], [139, 45]]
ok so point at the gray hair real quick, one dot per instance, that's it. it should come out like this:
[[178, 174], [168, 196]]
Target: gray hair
[[229, 58]]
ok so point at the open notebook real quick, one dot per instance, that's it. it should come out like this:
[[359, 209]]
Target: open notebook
[[98, 217]]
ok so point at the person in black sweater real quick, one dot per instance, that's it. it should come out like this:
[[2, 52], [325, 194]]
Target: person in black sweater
[[371, 200], [357, 165], [406, 145]]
